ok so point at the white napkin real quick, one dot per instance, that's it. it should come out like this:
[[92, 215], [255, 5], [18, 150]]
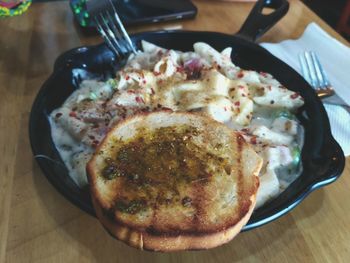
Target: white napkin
[[335, 59]]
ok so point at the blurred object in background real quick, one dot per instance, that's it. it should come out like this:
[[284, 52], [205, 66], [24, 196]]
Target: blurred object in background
[[13, 7], [136, 12], [80, 13], [239, 0], [343, 26], [10, 3], [335, 12]]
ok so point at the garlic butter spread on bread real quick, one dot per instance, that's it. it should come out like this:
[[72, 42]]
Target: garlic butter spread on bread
[[170, 181]]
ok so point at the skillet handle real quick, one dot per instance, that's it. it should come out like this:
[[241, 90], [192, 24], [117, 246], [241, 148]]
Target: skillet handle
[[257, 23]]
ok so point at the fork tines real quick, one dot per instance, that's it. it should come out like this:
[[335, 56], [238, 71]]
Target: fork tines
[[110, 27], [313, 72]]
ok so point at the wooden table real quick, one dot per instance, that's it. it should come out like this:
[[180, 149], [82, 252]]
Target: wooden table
[[37, 224]]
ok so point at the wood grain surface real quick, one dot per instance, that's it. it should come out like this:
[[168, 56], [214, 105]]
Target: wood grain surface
[[37, 224]]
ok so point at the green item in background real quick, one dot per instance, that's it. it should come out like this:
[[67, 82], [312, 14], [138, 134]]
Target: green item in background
[[79, 9], [15, 10]]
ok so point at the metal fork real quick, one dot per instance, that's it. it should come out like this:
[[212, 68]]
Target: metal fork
[[314, 73], [110, 27]]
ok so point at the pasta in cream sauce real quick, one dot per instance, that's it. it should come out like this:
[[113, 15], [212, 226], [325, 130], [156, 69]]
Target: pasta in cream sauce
[[204, 81]]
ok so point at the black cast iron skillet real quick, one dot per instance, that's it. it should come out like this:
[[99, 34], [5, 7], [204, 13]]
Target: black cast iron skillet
[[322, 158]]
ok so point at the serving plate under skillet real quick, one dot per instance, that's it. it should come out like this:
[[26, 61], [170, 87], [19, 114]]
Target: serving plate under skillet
[[322, 158]]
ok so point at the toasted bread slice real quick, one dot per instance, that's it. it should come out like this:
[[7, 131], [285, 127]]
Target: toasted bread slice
[[171, 181]]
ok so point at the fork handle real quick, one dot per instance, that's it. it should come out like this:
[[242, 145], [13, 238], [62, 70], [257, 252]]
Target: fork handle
[[257, 23], [322, 94]]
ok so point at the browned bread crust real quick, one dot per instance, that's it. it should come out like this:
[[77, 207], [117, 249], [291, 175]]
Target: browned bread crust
[[208, 207]]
